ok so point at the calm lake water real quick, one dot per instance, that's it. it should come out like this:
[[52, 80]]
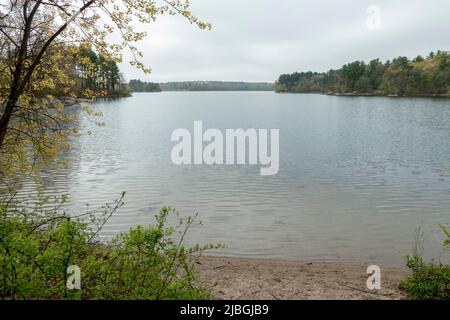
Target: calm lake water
[[357, 175]]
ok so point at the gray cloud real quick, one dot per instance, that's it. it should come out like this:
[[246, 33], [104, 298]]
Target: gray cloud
[[256, 40]]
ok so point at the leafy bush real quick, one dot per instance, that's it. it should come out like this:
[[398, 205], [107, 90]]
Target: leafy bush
[[37, 247], [446, 231], [428, 281]]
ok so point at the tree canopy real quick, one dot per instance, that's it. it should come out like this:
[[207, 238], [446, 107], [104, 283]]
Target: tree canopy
[[38, 40], [98, 75]]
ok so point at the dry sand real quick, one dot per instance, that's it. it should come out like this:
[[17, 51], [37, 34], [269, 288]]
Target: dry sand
[[257, 279]]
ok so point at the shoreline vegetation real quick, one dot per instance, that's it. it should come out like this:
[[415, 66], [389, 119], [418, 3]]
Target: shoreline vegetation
[[367, 94], [92, 77], [40, 244], [401, 77]]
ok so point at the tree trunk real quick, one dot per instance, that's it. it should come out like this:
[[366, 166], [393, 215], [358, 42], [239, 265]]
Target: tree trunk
[[5, 119]]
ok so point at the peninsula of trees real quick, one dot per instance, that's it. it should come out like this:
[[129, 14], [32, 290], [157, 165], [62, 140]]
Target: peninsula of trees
[[98, 75], [421, 76]]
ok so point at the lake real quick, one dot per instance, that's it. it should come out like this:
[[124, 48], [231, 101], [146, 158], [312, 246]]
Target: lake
[[357, 175]]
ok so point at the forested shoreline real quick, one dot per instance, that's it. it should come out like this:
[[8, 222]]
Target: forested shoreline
[[421, 76], [98, 75], [77, 72], [142, 86]]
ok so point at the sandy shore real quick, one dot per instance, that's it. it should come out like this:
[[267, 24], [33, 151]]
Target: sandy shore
[[254, 279]]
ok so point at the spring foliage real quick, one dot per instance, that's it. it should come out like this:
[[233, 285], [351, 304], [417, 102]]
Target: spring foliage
[[38, 245], [36, 39]]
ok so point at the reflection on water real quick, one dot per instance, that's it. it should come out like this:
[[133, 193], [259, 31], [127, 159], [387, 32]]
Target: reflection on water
[[357, 175]]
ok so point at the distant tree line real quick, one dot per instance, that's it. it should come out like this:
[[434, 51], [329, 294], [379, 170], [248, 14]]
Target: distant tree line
[[421, 76], [141, 86], [216, 86]]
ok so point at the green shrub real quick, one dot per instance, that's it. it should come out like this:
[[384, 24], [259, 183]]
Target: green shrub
[[446, 231], [428, 281], [38, 246]]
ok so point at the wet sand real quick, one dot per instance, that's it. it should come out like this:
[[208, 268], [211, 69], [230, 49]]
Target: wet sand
[[257, 279]]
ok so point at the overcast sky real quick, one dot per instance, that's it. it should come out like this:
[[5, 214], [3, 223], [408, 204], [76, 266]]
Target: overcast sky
[[257, 40]]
